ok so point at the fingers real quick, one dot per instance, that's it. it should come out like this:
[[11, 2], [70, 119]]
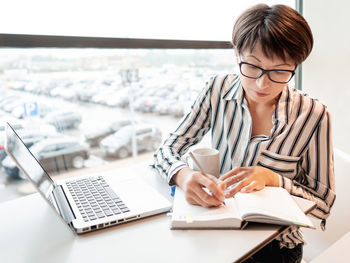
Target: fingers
[[204, 198], [202, 190], [236, 188], [245, 186], [253, 186], [195, 200], [239, 179], [213, 185], [244, 179], [213, 178], [233, 172], [220, 183], [198, 196], [235, 177]]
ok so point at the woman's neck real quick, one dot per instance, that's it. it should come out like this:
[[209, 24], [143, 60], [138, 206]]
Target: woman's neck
[[258, 106]]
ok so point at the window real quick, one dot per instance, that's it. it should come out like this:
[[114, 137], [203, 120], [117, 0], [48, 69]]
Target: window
[[151, 19], [90, 93]]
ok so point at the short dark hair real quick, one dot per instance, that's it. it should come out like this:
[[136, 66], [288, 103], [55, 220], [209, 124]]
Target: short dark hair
[[280, 30]]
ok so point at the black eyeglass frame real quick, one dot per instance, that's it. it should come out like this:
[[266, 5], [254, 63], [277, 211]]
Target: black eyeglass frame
[[264, 71]]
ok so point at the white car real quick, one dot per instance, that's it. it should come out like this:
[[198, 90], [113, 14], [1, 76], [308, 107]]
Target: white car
[[119, 144], [64, 119]]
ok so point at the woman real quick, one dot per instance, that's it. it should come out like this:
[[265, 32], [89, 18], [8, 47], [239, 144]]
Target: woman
[[267, 133]]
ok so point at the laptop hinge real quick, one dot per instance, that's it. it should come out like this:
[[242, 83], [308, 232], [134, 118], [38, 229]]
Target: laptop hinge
[[63, 205]]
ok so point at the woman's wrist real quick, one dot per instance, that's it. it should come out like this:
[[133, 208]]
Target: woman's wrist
[[274, 179], [180, 176]]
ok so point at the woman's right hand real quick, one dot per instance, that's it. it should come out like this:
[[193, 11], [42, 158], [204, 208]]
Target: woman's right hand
[[192, 183]]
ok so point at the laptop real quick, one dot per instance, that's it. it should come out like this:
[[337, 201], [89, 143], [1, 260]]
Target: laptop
[[90, 202]]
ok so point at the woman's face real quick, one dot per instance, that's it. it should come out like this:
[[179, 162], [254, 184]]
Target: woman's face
[[262, 90]]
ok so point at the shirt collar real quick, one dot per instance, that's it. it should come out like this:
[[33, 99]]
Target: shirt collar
[[234, 91], [283, 107]]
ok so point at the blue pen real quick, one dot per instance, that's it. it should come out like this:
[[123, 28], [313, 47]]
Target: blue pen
[[201, 169], [172, 190]]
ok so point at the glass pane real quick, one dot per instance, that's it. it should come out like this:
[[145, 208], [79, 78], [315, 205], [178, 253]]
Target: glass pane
[[182, 19], [97, 99]]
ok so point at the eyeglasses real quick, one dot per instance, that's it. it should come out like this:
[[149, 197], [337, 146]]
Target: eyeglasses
[[276, 75]]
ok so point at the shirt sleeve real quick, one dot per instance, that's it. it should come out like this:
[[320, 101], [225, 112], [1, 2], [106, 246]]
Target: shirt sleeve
[[191, 129], [316, 175]]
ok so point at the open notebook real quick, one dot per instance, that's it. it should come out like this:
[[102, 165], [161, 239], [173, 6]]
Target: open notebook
[[273, 205]]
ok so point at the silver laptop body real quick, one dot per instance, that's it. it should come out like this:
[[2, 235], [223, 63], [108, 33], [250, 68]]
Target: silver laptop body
[[90, 202]]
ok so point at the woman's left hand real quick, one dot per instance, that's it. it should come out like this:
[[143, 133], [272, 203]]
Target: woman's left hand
[[249, 179]]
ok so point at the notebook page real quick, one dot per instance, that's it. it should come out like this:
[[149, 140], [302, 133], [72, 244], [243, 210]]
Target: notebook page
[[182, 210], [273, 202]]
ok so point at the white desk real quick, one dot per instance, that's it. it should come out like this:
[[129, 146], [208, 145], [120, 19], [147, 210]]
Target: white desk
[[31, 232]]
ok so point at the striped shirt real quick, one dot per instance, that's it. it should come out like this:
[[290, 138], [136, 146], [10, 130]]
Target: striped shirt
[[299, 148]]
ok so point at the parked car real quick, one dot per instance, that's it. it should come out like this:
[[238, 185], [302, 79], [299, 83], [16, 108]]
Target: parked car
[[30, 136], [119, 144], [94, 137], [7, 99], [177, 110], [63, 119], [165, 106], [55, 155], [13, 104], [15, 123], [118, 99]]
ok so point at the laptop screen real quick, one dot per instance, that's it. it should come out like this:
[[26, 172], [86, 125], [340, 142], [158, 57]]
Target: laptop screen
[[27, 162]]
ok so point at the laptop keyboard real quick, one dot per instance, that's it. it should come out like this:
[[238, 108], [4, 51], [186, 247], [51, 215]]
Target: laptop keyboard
[[95, 198]]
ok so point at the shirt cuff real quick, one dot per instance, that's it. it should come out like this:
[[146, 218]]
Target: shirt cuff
[[280, 182], [174, 169], [286, 183]]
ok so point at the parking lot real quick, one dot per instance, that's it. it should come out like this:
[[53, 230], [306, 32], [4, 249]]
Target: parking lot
[[92, 117]]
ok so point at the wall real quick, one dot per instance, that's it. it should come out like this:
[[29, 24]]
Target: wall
[[326, 77], [327, 70]]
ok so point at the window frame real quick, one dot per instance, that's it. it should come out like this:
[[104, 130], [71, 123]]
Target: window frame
[[55, 41]]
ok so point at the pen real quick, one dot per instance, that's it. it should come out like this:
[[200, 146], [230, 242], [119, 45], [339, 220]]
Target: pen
[[201, 169], [172, 191]]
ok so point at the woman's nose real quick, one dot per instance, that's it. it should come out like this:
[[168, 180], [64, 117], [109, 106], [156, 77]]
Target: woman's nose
[[263, 82]]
